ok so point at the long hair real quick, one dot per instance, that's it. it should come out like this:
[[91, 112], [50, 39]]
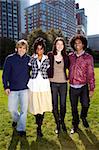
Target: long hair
[[63, 52]]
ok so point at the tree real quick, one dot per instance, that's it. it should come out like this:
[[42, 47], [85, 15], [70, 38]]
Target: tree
[[49, 37], [7, 46], [35, 34], [53, 33]]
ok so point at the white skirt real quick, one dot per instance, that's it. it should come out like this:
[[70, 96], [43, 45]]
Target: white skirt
[[40, 99]]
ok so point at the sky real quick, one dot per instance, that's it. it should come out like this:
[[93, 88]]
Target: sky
[[91, 11]]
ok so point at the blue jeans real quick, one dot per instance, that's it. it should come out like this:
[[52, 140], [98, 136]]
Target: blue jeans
[[14, 99]]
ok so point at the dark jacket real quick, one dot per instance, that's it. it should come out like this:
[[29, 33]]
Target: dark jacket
[[51, 68], [16, 72]]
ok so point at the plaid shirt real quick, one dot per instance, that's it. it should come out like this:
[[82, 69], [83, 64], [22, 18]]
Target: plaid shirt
[[43, 67]]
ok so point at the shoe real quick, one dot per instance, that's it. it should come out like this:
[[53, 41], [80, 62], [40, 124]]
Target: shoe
[[56, 131], [21, 133], [85, 122], [64, 127], [14, 124], [73, 130], [39, 134]]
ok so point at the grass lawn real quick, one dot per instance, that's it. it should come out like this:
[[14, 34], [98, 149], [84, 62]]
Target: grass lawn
[[83, 140]]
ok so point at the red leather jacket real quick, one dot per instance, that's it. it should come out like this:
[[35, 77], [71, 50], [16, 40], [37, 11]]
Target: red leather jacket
[[81, 70]]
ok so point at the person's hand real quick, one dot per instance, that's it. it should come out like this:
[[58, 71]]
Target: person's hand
[[46, 57], [33, 55], [91, 93], [7, 91]]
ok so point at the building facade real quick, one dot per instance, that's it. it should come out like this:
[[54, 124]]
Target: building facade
[[81, 20], [23, 5], [93, 42], [10, 23], [47, 14]]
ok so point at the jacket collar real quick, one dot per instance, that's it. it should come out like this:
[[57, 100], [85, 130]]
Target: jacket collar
[[78, 55]]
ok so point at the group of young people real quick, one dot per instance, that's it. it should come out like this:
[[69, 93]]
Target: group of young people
[[39, 82]]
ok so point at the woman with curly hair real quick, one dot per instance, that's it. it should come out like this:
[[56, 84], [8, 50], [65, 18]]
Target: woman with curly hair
[[39, 86]]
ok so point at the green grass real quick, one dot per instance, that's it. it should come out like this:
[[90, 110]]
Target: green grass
[[84, 140]]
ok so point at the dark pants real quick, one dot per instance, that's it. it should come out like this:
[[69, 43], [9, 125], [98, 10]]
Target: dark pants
[[61, 90], [75, 94]]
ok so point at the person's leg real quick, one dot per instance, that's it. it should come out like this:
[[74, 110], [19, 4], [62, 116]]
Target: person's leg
[[74, 94], [63, 94], [23, 96], [13, 100], [39, 121], [54, 91], [85, 102]]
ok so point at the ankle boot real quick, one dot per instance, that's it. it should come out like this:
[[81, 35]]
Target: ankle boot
[[39, 132], [85, 122]]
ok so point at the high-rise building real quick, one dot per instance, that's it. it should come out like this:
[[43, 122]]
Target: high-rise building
[[10, 24], [23, 5], [81, 20], [93, 42], [47, 14]]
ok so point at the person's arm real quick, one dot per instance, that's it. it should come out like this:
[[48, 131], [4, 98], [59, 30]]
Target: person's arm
[[90, 76], [6, 75], [50, 57], [68, 62]]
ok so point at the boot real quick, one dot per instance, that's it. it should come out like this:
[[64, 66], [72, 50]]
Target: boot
[[85, 123], [39, 132]]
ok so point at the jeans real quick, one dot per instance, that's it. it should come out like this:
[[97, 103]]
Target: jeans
[[75, 94], [61, 90], [14, 99]]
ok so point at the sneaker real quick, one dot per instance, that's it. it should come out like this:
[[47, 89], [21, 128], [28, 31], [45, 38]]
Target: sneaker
[[85, 122], [56, 131], [14, 124], [73, 130]]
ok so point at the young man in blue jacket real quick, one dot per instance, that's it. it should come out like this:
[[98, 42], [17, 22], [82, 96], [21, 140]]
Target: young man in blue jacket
[[15, 77]]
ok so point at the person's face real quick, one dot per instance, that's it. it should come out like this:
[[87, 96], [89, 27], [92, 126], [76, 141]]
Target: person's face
[[21, 50], [39, 50], [78, 45], [59, 45]]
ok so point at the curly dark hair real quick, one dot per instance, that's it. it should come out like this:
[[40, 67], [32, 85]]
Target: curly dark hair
[[80, 37], [39, 41], [63, 52]]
